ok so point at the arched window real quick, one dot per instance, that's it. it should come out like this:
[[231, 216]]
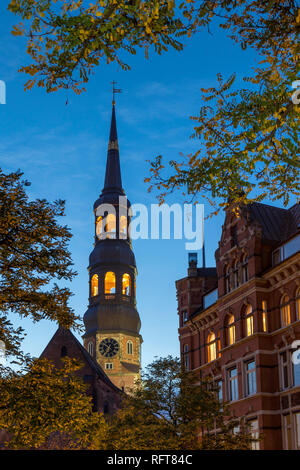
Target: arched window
[[99, 226], [126, 284], [94, 285], [285, 312], [129, 347], [248, 320], [227, 279], [63, 351], [298, 303], [230, 330], [123, 226], [235, 274], [211, 347], [90, 348], [111, 226], [110, 283], [245, 268]]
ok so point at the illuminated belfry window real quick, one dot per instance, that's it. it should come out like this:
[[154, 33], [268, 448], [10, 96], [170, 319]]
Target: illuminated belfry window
[[248, 320], [99, 226], [94, 285], [211, 347], [230, 330], [129, 347], [126, 284], [123, 226], [285, 311], [110, 283], [111, 226]]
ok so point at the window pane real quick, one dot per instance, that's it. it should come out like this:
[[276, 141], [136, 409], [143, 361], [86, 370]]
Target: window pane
[[296, 370]]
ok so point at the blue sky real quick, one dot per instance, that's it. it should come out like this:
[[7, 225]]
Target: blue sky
[[62, 151]]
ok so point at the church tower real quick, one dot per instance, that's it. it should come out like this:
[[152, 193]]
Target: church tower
[[112, 323]]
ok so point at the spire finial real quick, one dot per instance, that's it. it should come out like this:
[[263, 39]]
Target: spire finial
[[115, 90]]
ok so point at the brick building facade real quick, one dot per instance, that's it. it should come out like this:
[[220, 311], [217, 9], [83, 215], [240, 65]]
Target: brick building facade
[[238, 322]]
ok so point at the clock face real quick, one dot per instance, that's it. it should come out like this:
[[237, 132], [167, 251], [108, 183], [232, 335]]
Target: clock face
[[109, 347]]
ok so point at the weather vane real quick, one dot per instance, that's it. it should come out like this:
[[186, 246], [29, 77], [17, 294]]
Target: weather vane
[[115, 90]]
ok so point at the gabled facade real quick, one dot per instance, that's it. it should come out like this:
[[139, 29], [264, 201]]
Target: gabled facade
[[105, 395], [238, 321]]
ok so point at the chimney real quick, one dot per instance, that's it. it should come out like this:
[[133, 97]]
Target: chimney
[[193, 260]]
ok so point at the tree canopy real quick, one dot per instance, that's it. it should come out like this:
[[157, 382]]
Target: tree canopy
[[46, 407], [171, 409], [33, 256], [248, 137]]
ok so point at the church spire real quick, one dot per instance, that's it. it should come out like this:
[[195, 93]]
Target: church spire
[[113, 181]]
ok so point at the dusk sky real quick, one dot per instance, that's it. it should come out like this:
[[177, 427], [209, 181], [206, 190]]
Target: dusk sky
[[62, 151]]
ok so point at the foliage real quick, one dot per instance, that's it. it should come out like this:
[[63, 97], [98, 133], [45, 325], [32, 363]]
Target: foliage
[[170, 410], [248, 136], [46, 407], [68, 38], [33, 254]]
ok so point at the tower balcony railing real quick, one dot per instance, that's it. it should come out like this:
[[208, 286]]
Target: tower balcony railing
[[114, 298]]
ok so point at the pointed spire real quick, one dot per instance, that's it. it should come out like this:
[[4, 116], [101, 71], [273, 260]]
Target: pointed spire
[[113, 181]]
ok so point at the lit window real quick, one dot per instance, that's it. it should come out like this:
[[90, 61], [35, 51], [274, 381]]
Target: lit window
[[99, 226], [111, 226], [233, 384], [285, 311], [123, 226], [211, 347], [126, 284], [250, 378], [245, 268], [91, 348], [94, 285], [264, 316], [298, 304], [129, 347], [230, 330], [249, 321], [110, 283]]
